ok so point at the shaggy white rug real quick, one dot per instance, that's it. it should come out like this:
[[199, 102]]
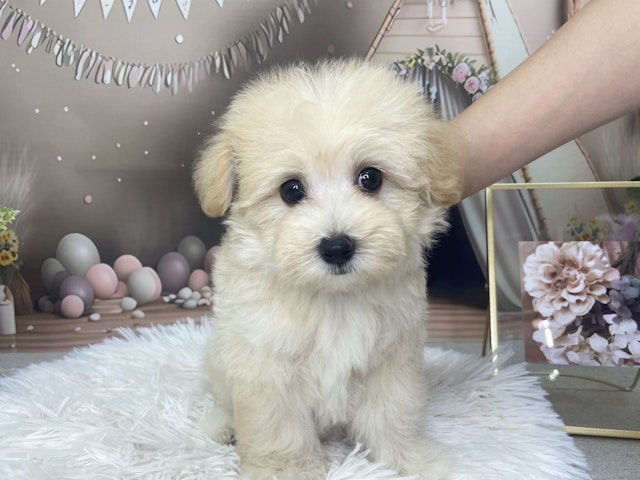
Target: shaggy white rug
[[131, 408]]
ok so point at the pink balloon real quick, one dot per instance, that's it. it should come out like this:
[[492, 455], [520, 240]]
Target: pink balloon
[[72, 306], [124, 265], [103, 280], [210, 258], [198, 279], [121, 290]]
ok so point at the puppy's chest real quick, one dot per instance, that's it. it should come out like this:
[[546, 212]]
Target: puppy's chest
[[346, 346]]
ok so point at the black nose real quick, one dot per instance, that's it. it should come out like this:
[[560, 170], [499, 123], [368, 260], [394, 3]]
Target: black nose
[[337, 250]]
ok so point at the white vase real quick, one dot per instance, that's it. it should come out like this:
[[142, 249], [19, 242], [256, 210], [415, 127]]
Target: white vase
[[7, 312]]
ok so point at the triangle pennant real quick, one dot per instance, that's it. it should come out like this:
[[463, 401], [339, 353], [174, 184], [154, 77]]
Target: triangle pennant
[[220, 3], [78, 5], [184, 6], [106, 5], [155, 5], [129, 8]]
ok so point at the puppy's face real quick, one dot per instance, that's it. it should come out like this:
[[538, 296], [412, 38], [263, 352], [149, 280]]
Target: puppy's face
[[331, 175]]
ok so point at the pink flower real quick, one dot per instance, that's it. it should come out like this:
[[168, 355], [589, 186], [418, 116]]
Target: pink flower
[[565, 281], [461, 72], [472, 84]]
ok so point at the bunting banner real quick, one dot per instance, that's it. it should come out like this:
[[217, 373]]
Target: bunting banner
[[129, 8], [155, 5], [106, 5], [77, 6], [88, 64], [184, 6]]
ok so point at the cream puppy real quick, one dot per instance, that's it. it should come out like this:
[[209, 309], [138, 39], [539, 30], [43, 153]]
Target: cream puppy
[[334, 179]]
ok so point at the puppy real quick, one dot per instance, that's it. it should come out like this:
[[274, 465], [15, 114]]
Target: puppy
[[334, 178]]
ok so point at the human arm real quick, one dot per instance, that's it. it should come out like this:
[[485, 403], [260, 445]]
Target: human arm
[[585, 76]]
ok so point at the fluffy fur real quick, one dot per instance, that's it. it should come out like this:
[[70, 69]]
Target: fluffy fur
[[306, 349]]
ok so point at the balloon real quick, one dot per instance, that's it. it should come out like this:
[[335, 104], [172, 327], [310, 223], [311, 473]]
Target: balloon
[[77, 253], [103, 280], [48, 270], [56, 282], [194, 250], [79, 286], [72, 306], [142, 285], [173, 270], [156, 278], [198, 279], [121, 291], [124, 265], [210, 258]]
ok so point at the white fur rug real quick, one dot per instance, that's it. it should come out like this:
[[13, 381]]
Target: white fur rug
[[131, 408]]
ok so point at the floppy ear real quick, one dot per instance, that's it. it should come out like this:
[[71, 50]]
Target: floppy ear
[[443, 166], [213, 175]]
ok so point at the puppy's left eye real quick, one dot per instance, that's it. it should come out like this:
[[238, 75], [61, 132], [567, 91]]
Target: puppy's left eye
[[370, 179]]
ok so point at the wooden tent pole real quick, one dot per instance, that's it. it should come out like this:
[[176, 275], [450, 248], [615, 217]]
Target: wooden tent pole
[[386, 26], [486, 16]]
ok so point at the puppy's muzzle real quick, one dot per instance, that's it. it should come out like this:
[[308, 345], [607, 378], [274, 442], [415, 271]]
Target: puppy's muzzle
[[337, 251]]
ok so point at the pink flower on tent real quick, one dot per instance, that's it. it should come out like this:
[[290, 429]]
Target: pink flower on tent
[[472, 84], [461, 72]]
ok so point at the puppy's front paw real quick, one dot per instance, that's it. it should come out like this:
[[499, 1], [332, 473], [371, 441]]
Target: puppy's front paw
[[218, 425]]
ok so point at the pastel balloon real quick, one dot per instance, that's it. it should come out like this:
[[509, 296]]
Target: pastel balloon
[[198, 279], [79, 286], [155, 276], [72, 306], [173, 270], [210, 258], [50, 267], [194, 250], [124, 265], [142, 286], [103, 280], [121, 290], [77, 253], [56, 282]]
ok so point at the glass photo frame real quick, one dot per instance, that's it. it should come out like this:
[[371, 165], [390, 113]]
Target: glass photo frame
[[563, 268]]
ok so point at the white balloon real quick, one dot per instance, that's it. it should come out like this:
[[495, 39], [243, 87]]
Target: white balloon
[[142, 286], [194, 250], [77, 253]]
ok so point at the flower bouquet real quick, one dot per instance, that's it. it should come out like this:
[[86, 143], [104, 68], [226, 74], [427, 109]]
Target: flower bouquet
[[586, 292], [9, 263], [458, 68]]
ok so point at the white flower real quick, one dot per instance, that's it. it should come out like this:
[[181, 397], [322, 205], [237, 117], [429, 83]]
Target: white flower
[[623, 332], [557, 346], [583, 356], [607, 353], [565, 281]]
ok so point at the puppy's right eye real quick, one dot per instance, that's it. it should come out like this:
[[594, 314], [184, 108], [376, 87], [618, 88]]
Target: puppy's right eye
[[292, 191]]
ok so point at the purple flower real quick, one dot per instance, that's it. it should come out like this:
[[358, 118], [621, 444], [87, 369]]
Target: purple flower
[[628, 230]]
